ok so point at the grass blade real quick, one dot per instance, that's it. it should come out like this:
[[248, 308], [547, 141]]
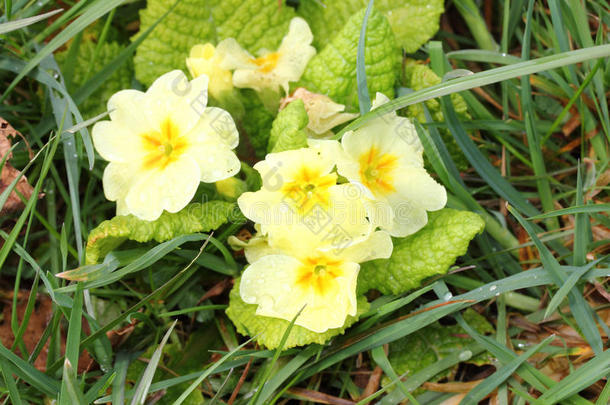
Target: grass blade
[[69, 386], [567, 287], [70, 390], [97, 9], [481, 164], [286, 372], [577, 209], [24, 22], [209, 371], [276, 355], [142, 262], [118, 384], [593, 370], [29, 374], [381, 359], [482, 79], [7, 374], [364, 100], [106, 72], [580, 308], [492, 382], [145, 380]]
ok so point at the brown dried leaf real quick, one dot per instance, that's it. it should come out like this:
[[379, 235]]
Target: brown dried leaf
[[9, 173], [38, 322], [34, 331], [318, 397]]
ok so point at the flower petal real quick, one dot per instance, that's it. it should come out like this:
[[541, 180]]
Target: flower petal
[[294, 53], [377, 246], [418, 187], [233, 55], [380, 213], [169, 189], [408, 217], [264, 207], [204, 60], [215, 124], [131, 109], [271, 282], [118, 179], [216, 161], [115, 142], [329, 229], [285, 165], [173, 95]]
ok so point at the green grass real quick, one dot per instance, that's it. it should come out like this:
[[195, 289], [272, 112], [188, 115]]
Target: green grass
[[539, 273]]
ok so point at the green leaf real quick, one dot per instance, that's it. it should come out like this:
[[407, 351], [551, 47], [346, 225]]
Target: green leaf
[[426, 253], [255, 24], [435, 342], [269, 331], [287, 131], [418, 76], [413, 21], [194, 218], [333, 70], [95, 104]]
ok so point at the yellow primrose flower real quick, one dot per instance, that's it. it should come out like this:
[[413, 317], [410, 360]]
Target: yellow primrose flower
[[270, 70], [300, 194], [385, 158], [323, 113], [255, 248], [162, 143], [310, 275], [205, 59]]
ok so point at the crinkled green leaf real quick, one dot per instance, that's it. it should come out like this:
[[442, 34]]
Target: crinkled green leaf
[[257, 122], [414, 22], [333, 70], [269, 331], [429, 252], [418, 76], [194, 218], [95, 104], [434, 342], [255, 24], [287, 131]]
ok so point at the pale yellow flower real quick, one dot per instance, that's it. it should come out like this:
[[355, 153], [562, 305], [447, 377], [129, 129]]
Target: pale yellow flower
[[300, 194], [255, 248], [162, 143], [271, 69], [323, 113], [384, 157], [205, 59], [311, 275]]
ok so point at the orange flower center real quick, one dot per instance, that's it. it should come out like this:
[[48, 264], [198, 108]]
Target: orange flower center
[[268, 62], [308, 189], [377, 169], [319, 273], [163, 147]]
